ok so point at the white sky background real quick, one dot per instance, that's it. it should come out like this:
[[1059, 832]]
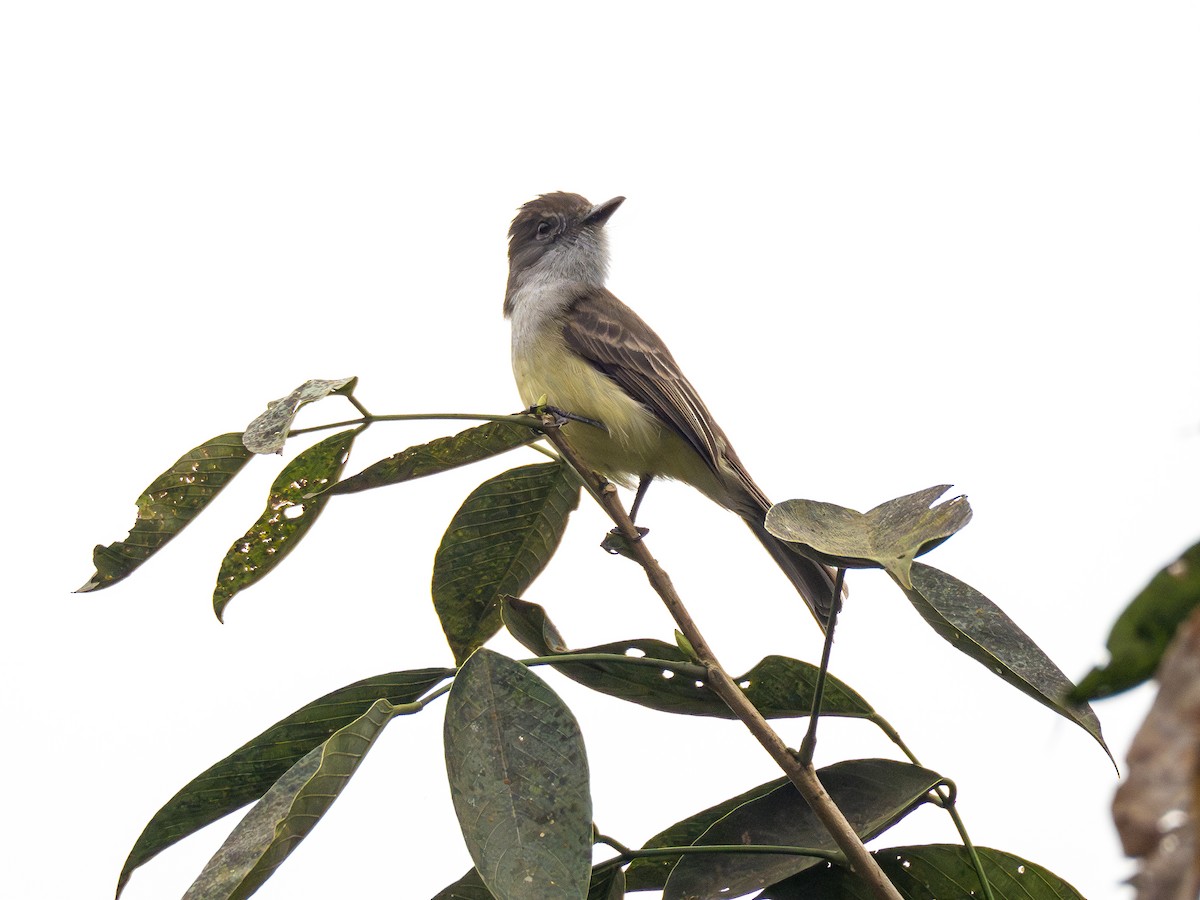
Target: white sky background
[[893, 245]]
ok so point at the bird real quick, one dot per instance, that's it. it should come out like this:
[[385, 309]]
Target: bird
[[580, 350]]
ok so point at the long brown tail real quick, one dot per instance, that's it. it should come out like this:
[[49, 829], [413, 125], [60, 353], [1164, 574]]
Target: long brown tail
[[813, 581]]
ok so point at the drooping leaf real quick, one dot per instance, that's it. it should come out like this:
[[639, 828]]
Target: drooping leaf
[[440, 455], [1155, 807], [289, 515], [889, 536], [497, 543], [976, 626], [469, 887], [608, 883], [778, 686], [288, 811], [873, 794], [651, 873], [930, 872], [248, 772], [166, 507], [267, 433], [519, 781], [1142, 632]]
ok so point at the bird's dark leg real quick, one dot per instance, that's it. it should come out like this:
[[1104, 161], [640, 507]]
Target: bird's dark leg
[[639, 495], [616, 542], [563, 416]]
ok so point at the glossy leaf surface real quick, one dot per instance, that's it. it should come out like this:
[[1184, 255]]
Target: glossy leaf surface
[[439, 455], [889, 536], [498, 542], [976, 626], [289, 514], [268, 432], [288, 811], [778, 686], [651, 873], [519, 781], [168, 505], [608, 883], [931, 872], [873, 794], [248, 772]]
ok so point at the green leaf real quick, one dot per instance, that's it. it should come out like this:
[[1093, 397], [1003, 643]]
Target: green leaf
[[519, 781], [290, 513], [497, 543], [778, 686], [930, 872], [888, 536], [288, 811], [1142, 632], [267, 433], [440, 455], [651, 873], [873, 794], [608, 883], [976, 626], [166, 507], [248, 772], [469, 887]]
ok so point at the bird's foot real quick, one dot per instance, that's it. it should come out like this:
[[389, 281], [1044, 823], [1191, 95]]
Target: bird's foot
[[618, 545], [562, 417]]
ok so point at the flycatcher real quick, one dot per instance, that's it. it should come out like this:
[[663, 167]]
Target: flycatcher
[[590, 355]]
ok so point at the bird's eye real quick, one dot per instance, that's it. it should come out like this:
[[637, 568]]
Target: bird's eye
[[545, 229]]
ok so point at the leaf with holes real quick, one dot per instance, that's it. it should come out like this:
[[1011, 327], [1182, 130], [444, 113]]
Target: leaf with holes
[[930, 870], [248, 772], [778, 686], [888, 536], [519, 781], [168, 506], [976, 626], [288, 811], [268, 432], [440, 455], [289, 515], [1142, 632], [498, 542], [873, 794]]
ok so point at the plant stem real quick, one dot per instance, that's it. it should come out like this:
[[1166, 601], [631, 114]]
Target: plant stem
[[366, 419], [802, 775], [947, 802], [691, 670], [809, 745]]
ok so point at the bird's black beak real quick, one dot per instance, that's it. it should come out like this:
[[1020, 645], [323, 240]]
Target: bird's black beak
[[601, 211]]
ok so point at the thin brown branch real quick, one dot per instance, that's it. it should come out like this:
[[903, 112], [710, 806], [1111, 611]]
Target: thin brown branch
[[802, 775]]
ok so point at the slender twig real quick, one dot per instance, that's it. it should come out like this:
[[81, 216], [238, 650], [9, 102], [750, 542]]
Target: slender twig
[[366, 419], [809, 745], [691, 670], [628, 854], [802, 775], [354, 401], [946, 795]]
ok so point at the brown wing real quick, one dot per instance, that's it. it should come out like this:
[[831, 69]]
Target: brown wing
[[614, 339]]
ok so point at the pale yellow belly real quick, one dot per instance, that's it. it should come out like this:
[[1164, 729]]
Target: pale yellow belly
[[636, 441]]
